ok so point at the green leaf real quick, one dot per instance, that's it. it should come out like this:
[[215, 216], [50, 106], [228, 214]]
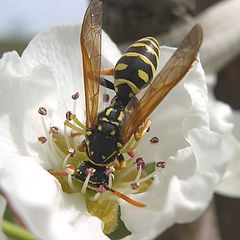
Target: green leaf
[[121, 230]]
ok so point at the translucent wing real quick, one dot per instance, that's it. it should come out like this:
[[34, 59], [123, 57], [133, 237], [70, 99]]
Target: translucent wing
[[174, 70], [90, 40]]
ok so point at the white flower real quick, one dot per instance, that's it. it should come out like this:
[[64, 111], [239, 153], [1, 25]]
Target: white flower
[[47, 74]]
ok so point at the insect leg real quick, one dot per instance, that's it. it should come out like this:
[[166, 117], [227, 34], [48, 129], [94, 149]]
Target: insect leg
[[82, 146], [109, 71], [142, 130], [122, 162], [106, 83]]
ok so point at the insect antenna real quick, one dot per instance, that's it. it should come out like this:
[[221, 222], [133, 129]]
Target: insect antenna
[[126, 198]]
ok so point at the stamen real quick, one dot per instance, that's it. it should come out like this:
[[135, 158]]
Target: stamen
[[131, 154], [89, 172], [70, 183], [70, 125], [96, 196], [55, 156], [69, 115], [140, 163], [75, 96], [135, 185], [42, 111], [70, 170], [42, 139], [126, 148], [109, 170], [66, 137], [72, 152], [127, 171], [110, 180], [65, 161], [54, 130], [106, 97], [161, 164], [138, 174], [55, 147], [76, 120], [154, 140], [101, 189], [146, 178]]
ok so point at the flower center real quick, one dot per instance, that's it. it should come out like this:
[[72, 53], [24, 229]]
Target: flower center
[[67, 155]]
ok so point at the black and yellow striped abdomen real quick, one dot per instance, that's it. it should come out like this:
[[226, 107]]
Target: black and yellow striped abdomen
[[136, 68]]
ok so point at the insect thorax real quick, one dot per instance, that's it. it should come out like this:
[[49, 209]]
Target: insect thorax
[[103, 143], [136, 68]]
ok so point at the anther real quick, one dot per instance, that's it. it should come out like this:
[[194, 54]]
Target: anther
[[106, 97], [42, 111], [135, 185], [69, 168], [109, 170], [75, 96], [42, 139], [90, 171], [161, 164], [154, 140], [72, 152], [131, 154], [69, 115], [54, 130], [101, 189], [140, 163]]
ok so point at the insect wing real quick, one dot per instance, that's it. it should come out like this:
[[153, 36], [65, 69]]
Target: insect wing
[[90, 41], [174, 70]]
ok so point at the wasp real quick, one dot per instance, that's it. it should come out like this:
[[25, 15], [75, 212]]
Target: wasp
[[109, 131]]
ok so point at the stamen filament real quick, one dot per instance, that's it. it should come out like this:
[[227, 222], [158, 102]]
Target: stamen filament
[[96, 196], [74, 106], [127, 171], [56, 148], [110, 180], [85, 184], [54, 152], [70, 125], [126, 148], [138, 174], [65, 160], [76, 120], [70, 183], [66, 138]]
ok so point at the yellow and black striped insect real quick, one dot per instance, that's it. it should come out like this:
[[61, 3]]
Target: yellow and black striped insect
[[109, 131]]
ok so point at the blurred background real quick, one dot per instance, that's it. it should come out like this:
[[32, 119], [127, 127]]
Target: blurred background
[[169, 20]]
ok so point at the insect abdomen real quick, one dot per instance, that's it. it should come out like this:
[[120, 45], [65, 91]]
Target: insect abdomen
[[136, 68]]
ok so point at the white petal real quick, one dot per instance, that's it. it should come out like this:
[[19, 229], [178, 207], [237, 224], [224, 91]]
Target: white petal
[[59, 49], [196, 158], [23, 90], [223, 120], [38, 199]]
